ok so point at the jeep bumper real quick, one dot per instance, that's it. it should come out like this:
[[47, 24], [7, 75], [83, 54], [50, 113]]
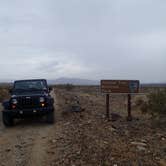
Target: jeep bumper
[[23, 113]]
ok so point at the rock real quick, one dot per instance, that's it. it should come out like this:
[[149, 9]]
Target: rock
[[50, 152], [53, 141], [112, 158], [105, 142], [157, 158], [141, 148], [18, 146], [112, 129], [115, 116], [79, 152], [163, 139], [143, 140], [76, 109], [138, 143], [8, 150], [89, 122], [67, 123], [103, 116], [127, 132]]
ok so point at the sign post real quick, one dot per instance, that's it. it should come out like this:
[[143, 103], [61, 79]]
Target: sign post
[[119, 87], [108, 106], [129, 117]]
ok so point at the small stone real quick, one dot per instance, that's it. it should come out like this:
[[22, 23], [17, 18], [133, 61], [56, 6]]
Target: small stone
[[126, 132], [67, 123], [112, 128], [103, 116], [89, 121], [141, 148], [157, 158], [143, 140], [163, 139], [8, 150], [53, 141], [18, 146], [79, 152], [105, 142], [51, 152], [138, 143], [112, 158]]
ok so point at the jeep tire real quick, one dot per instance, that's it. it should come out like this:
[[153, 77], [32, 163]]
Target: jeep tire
[[50, 117], [7, 119]]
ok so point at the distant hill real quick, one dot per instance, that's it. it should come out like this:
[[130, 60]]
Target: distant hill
[[79, 81], [74, 81]]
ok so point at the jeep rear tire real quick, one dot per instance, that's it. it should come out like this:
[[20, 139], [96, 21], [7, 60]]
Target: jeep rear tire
[[7, 119], [50, 117]]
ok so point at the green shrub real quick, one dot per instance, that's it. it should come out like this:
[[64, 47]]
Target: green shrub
[[156, 103], [69, 87]]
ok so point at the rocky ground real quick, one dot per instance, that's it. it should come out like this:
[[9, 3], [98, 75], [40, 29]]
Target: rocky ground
[[82, 136]]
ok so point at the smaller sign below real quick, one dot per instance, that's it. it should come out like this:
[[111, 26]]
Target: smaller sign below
[[120, 86]]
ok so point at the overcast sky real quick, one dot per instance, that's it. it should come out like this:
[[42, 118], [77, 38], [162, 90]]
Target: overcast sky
[[93, 39]]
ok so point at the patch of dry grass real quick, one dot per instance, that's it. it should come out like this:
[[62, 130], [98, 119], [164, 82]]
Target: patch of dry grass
[[4, 93]]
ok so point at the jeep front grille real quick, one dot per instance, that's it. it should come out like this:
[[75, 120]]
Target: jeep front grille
[[28, 102]]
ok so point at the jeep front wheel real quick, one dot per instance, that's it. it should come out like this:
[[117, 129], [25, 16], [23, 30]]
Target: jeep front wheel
[[7, 119], [50, 117]]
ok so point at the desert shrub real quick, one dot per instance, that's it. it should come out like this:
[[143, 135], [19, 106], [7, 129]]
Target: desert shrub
[[139, 102], [156, 103], [4, 94], [68, 87]]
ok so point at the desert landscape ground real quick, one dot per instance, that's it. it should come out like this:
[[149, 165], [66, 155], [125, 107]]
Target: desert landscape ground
[[86, 138]]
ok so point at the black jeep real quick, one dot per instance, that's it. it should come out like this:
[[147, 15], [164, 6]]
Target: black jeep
[[28, 98]]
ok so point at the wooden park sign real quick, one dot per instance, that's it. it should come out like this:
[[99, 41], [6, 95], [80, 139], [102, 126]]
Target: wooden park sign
[[119, 86]]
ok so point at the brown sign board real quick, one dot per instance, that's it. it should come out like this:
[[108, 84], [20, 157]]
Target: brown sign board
[[120, 86]]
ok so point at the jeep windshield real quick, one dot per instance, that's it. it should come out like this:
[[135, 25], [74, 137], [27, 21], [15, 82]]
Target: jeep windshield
[[30, 85]]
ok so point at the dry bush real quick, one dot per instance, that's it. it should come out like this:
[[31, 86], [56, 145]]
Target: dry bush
[[68, 87], [4, 93], [156, 103]]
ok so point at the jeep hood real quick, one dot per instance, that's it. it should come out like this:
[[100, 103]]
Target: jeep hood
[[34, 93]]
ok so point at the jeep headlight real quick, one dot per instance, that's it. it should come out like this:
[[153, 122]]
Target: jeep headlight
[[14, 101], [41, 99]]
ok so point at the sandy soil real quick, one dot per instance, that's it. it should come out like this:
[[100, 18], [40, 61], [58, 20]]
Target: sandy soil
[[84, 138]]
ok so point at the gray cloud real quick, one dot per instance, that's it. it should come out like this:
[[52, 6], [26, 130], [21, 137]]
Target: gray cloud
[[91, 39]]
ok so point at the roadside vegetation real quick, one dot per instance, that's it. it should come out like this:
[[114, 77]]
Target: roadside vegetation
[[155, 103], [4, 92]]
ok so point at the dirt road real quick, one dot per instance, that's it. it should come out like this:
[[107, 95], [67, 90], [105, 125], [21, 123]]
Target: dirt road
[[25, 143], [83, 138]]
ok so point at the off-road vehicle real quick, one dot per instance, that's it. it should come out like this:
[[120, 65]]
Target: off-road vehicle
[[28, 98]]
